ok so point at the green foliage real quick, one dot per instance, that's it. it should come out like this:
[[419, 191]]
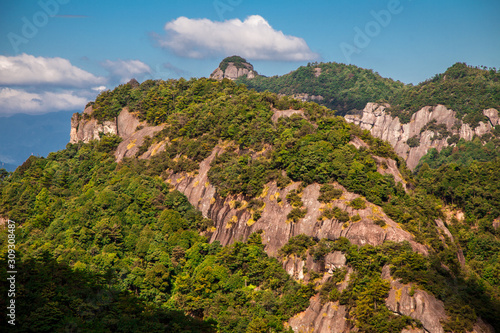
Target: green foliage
[[294, 199], [140, 242], [234, 174], [464, 153], [236, 60], [343, 87], [475, 188], [108, 247], [358, 203], [329, 193], [297, 245], [336, 212], [198, 113], [329, 291], [296, 214], [379, 222], [465, 89], [55, 297], [464, 298], [413, 142]]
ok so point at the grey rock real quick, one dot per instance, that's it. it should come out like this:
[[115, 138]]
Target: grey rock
[[232, 72], [327, 318], [382, 125], [232, 224]]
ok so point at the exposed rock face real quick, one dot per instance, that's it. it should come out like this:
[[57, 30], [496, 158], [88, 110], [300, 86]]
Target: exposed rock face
[[233, 71], [232, 224], [295, 267], [285, 113], [326, 318], [382, 125], [84, 128], [317, 318], [131, 144], [421, 305]]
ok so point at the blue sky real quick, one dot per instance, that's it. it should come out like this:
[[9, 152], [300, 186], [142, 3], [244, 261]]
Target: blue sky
[[58, 54]]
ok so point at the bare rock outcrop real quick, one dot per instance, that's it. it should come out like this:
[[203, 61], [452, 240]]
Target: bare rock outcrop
[[382, 125], [285, 113], [233, 70], [234, 223], [132, 143], [417, 304], [127, 125], [86, 129], [407, 299], [304, 97], [327, 318]]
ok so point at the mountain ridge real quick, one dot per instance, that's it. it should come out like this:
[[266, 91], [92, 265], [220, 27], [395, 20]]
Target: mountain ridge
[[177, 191]]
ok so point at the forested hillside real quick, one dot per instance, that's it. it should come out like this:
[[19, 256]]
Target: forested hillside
[[465, 89], [112, 247], [341, 87]]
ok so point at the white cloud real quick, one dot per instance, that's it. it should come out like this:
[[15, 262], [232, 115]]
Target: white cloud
[[99, 89], [124, 70], [26, 69], [14, 101], [253, 38]]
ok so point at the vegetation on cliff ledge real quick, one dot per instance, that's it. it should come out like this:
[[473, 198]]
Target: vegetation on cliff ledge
[[465, 89], [341, 87], [126, 251]]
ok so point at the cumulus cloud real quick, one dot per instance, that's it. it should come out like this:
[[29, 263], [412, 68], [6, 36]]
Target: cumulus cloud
[[253, 38], [14, 101], [124, 70], [26, 69]]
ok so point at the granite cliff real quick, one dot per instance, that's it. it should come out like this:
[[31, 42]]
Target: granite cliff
[[234, 219], [430, 127], [233, 68]]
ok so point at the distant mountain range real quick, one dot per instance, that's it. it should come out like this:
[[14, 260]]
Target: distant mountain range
[[23, 135], [204, 206]]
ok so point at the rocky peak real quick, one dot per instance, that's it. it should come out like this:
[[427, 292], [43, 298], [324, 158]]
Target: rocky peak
[[430, 127], [233, 68]]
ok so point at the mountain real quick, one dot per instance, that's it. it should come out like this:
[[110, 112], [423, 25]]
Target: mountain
[[460, 104], [465, 89], [338, 86], [202, 206], [429, 128], [24, 135], [233, 68]]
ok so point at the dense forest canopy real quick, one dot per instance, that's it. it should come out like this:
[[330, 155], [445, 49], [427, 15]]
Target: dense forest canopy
[[115, 248], [343, 87], [465, 89]]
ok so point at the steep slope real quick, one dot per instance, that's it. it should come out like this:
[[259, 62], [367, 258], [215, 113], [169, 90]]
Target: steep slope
[[465, 89], [471, 95], [288, 177], [431, 127], [337, 86], [233, 68]]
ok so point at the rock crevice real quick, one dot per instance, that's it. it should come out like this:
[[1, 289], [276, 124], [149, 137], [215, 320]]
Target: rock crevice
[[381, 124]]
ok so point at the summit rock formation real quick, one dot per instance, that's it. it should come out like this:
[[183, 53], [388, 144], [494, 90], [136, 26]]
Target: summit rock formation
[[233, 68]]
